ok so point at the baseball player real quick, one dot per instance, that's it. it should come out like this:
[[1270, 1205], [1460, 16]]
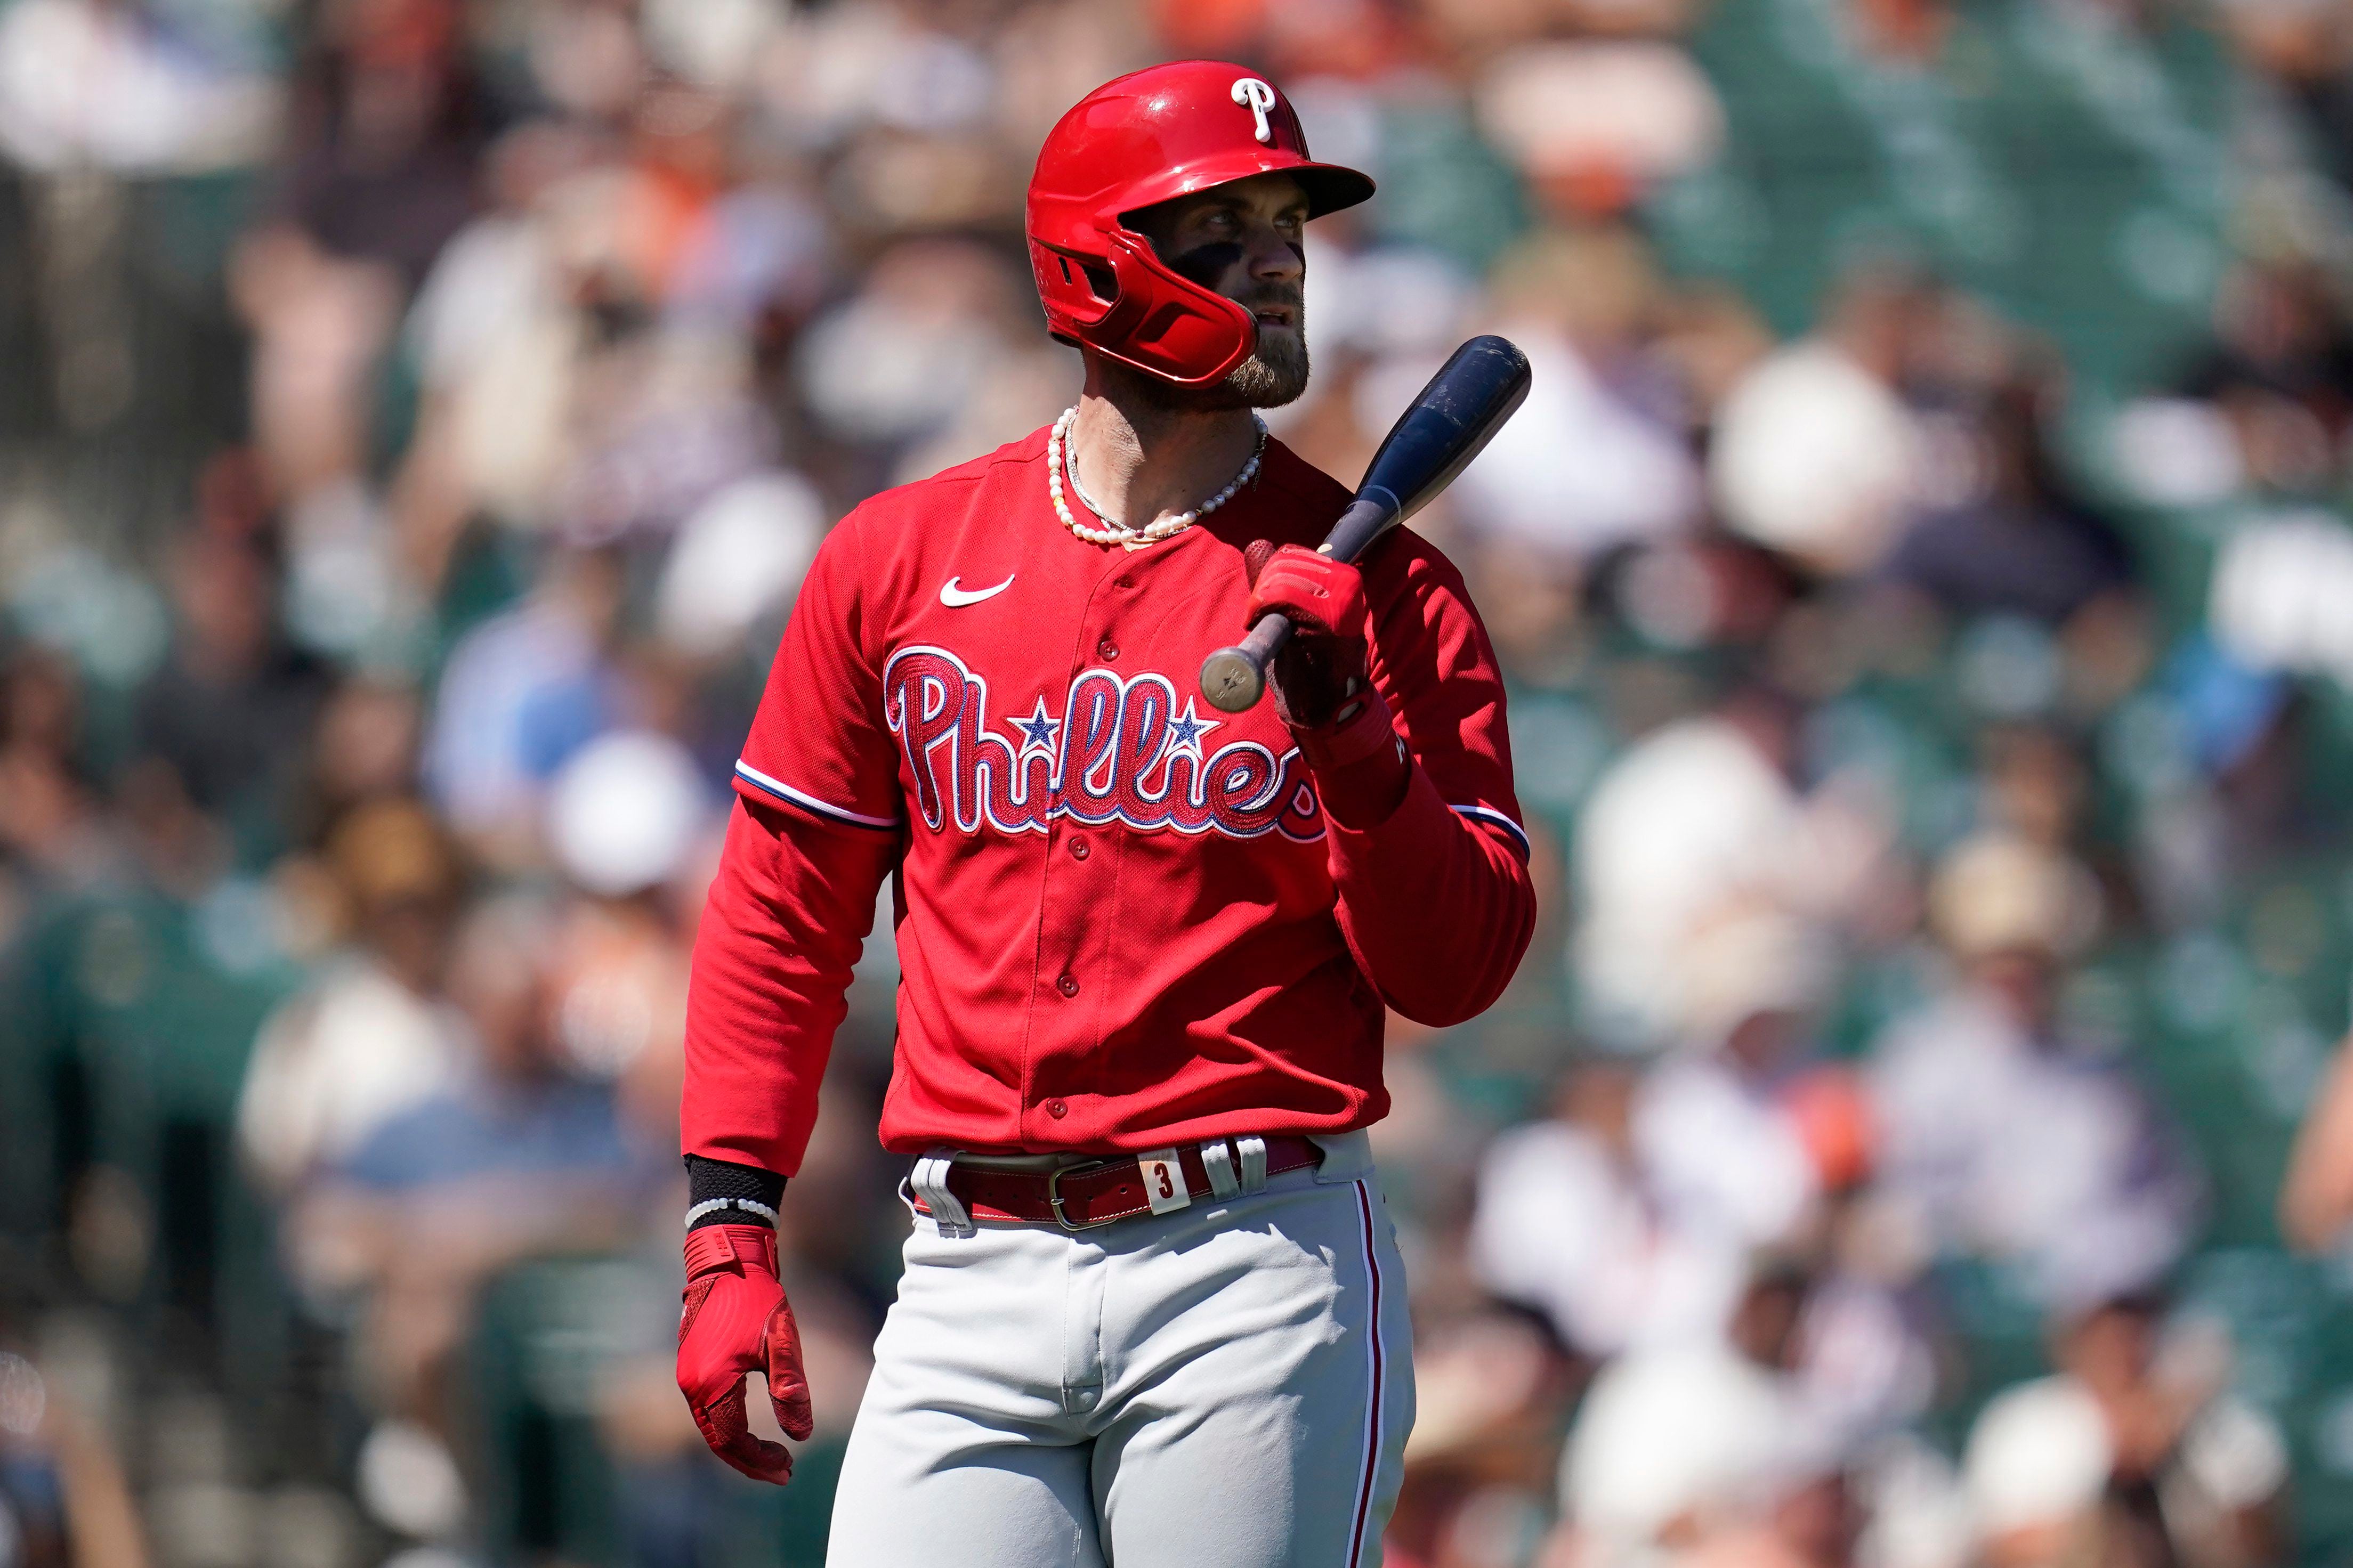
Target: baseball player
[[1153, 1311]]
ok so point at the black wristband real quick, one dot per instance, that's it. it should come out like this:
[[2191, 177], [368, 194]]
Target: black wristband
[[731, 1191]]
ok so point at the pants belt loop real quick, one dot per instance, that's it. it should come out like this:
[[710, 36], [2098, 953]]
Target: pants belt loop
[[1218, 1159], [1253, 1152], [931, 1183]]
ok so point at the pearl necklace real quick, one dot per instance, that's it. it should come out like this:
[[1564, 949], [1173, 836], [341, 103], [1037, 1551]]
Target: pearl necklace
[[1152, 532]]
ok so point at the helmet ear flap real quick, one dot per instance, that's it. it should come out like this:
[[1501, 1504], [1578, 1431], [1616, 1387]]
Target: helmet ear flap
[[1168, 324], [1125, 302]]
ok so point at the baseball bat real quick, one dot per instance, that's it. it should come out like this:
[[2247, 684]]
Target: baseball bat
[[1457, 414]]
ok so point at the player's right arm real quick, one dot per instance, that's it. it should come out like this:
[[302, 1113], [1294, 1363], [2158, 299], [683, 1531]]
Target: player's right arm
[[814, 830], [817, 828], [786, 918]]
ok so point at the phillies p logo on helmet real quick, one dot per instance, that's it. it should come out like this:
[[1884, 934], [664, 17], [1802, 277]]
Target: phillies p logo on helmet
[[1260, 96]]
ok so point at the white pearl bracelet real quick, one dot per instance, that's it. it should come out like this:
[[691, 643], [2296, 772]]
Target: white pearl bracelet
[[749, 1205]]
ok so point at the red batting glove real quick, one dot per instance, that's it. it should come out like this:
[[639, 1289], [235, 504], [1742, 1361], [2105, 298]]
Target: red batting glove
[[1323, 680], [1323, 667], [735, 1320]]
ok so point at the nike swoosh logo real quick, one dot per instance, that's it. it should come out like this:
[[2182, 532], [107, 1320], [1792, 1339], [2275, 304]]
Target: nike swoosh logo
[[955, 598]]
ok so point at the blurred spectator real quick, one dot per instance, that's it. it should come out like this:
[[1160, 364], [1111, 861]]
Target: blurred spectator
[[1492, 1389], [2035, 784], [1596, 459], [1676, 1448], [2006, 1135], [519, 695], [2316, 1201], [317, 322], [930, 323], [2307, 51], [498, 336], [625, 811], [1815, 453], [1595, 122], [2021, 540], [1700, 819], [519, 1109], [370, 1037], [738, 560], [1568, 1223], [48, 818], [1725, 1157], [2280, 369], [514, 1156], [2037, 1465], [670, 420], [389, 122], [2240, 805], [2132, 1454], [65, 1501], [471, 1163], [362, 750], [2265, 406], [1811, 1523], [1631, 1216], [2277, 581], [86, 82], [228, 711], [627, 817]]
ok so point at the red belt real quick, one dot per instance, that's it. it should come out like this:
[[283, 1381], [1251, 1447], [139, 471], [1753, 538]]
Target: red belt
[[1097, 1191]]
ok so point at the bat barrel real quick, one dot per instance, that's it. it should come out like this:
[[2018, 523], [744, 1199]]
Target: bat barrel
[[1476, 389]]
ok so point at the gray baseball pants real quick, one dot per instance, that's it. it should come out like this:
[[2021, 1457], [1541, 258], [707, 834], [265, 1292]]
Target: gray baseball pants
[[1226, 1385]]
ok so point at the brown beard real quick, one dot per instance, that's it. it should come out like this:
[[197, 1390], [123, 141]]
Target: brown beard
[[1275, 374]]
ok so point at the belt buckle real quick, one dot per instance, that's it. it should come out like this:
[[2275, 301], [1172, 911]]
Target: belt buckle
[[1054, 1198]]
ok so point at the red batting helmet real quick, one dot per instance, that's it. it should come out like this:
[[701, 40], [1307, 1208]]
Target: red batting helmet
[[1147, 137]]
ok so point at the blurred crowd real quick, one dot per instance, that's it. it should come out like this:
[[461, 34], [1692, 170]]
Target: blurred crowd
[[1920, 568]]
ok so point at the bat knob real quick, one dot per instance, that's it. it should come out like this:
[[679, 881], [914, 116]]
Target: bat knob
[[1233, 681]]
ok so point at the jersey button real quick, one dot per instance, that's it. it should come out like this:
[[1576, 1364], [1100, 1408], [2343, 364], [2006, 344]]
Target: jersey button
[[1057, 1110], [1125, 582], [1068, 986], [1078, 851], [1107, 651]]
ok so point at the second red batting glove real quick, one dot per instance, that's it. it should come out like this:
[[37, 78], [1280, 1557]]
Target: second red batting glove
[[736, 1320], [1323, 680]]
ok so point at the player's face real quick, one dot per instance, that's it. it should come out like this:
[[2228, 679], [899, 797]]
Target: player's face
[[1243, 240]]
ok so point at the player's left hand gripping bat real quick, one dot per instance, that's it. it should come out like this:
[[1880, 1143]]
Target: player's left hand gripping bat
[[1462, 409]]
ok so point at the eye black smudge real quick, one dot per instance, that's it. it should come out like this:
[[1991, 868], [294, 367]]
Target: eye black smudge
[[1206, 264]]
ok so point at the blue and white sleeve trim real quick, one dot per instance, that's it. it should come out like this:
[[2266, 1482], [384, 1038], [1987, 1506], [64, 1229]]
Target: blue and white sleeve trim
[[1489, 814], [809, 802]]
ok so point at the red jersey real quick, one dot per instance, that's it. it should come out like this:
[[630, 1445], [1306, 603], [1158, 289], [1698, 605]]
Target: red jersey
[[1123, 918]]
